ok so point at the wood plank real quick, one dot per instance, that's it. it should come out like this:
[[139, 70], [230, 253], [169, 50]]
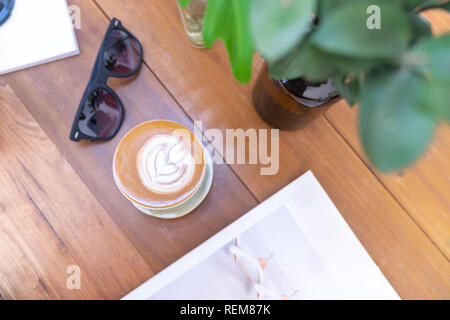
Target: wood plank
[[440, 21], [49, 220], [52, 92], [423, 189], [202, 83]]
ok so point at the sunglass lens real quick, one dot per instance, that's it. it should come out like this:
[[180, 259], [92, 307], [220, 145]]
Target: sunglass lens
[[101, 115], [122, 53]]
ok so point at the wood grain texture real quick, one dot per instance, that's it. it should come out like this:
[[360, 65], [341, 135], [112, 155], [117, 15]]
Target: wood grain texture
[[424, 188], [49, 220], [52, 93], [177, 83], [202, 84]]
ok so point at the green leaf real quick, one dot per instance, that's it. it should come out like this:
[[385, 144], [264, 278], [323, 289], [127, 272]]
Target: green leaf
[[306, 61], [327, 7], [184, 3], [445, 6], [393, 128], [228, 20], [349, 90], [354, 65], [310, 62], [431, 57], [421, 26], [433, 4], [421, 5], [345, 31], [279, 25], [411, 5]]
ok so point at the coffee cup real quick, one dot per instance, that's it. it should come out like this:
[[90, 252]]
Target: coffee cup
[[159, 165]]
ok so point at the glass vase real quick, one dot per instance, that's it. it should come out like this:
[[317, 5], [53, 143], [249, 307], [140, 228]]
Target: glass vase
[[192, 17], [291, 104]]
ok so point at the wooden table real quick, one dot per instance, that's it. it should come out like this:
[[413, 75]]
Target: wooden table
[[59, 206]]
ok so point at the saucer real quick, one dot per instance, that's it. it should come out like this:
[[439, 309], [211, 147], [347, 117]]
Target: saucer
[[189, 205]]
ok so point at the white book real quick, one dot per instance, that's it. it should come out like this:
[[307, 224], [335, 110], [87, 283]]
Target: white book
[[295, 245], [37, 32]]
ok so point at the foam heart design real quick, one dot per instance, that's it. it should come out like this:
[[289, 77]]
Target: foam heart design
[[165, 165]]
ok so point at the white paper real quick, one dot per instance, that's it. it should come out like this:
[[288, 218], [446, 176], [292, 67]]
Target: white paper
[[37, 32], [306, 247]]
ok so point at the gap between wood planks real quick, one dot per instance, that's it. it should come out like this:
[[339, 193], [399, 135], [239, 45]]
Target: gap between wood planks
[[182, 109], [327, 121], [384, 185]]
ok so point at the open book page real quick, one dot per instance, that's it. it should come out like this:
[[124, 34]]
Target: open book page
[[295, 245], [36, 32]]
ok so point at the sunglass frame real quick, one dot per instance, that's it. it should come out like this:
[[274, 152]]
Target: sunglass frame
[[99, 79]]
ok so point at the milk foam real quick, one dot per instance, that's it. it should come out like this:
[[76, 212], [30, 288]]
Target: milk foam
[[165, 164]]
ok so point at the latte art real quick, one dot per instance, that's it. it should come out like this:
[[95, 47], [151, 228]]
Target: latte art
[[159, 165], [165, 164]]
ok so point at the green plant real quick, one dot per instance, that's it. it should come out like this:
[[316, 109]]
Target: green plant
[[399, 74]]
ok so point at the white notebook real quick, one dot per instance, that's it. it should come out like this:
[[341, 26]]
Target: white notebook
[[38, 31], [295, 245]]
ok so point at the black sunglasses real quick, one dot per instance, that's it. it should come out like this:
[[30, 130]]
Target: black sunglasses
[[101, 111], [6, 6]]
